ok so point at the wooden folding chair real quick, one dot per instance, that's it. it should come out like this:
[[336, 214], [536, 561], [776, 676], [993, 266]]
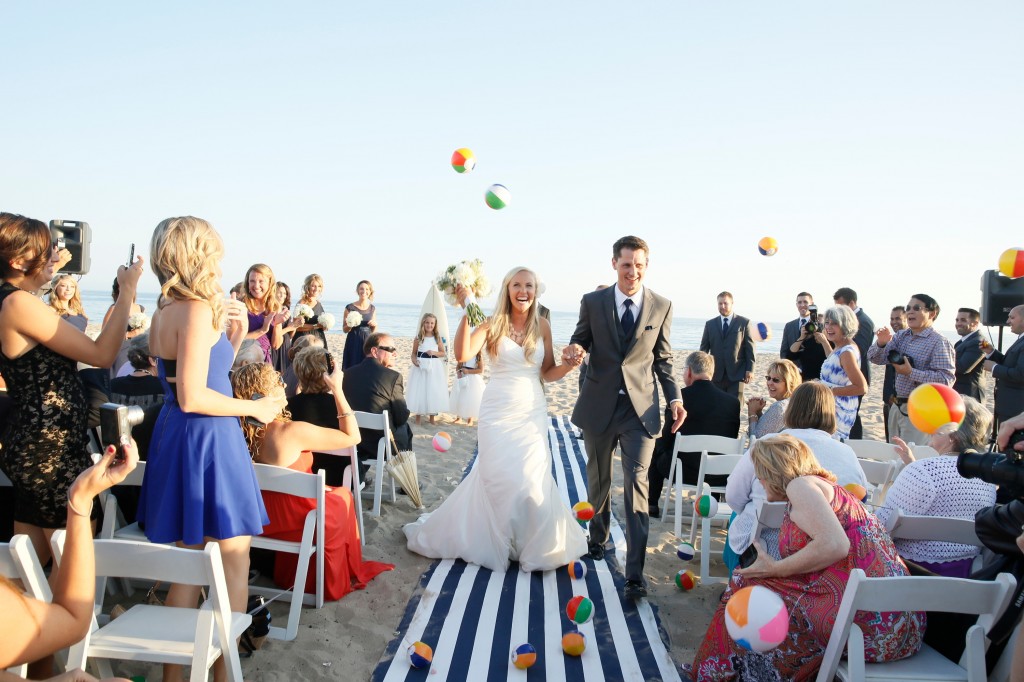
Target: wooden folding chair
[[350, 479], [710, 465], [880, 476], [18, 561], [714, 445], [939, 528], [379, 422]]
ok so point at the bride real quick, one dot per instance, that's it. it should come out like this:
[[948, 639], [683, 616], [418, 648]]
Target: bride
[[508, 508]]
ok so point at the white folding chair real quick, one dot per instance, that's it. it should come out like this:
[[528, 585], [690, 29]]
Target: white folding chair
[[924, 451], [939, 528], [18, 561], [703, 444], [769, 515], [283, 480], [162, 634], [710, 465], [874, 449], [880, 476], [379, 422], [350, 479], [986, 599]]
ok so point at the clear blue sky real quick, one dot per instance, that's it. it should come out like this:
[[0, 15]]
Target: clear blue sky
[[880, 142]]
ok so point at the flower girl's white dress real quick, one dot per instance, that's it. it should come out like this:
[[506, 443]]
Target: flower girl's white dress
[[509, 506], [427, 388]]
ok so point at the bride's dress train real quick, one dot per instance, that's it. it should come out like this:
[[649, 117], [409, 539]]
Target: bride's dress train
[[508, 508]]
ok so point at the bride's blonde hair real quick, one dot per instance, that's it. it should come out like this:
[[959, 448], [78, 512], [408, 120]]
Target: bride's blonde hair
[[500, 324]]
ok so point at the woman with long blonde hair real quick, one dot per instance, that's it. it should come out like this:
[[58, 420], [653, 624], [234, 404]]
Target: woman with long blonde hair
[[508, 508], [200, 485], [265, 314], [66, 301]]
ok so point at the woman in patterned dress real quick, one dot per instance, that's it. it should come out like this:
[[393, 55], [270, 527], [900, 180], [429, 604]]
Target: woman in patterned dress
[[825, 534], [841, 371]]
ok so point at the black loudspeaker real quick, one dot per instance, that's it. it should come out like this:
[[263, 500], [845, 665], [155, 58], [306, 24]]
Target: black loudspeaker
[[999, 295], [77, 236]]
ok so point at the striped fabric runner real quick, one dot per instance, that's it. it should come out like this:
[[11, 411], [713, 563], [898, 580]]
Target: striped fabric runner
[[474, 618]]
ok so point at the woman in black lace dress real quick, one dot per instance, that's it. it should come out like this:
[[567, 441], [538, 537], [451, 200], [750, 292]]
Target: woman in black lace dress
[[43, 444]]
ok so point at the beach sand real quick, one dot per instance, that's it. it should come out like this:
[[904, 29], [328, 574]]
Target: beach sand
[[345, 639]]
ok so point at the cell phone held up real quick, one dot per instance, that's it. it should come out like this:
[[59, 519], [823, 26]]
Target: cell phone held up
[[253, 421], [131, 256], [330, 363]]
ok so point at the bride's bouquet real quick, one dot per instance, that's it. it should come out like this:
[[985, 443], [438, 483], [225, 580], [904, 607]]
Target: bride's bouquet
[[470, 274], [353, 319]]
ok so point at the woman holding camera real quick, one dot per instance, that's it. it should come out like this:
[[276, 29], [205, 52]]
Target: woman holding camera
[[841, 371], [43, 447]]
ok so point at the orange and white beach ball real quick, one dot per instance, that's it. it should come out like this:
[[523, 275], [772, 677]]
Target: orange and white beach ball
[[768, 246], [756, 618], [442, 441]]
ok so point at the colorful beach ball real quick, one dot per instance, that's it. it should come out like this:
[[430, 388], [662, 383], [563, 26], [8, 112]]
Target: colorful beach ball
[[442, 441], [686, 580], [706, 506], [573, 643], [497, 197], [685, 551], [768, 246], [580, 609], [583, 511], [761, 331], [577, 569], [857, 490], [756, 618], [420, 654], [932, 406], [1011, 263], [524, 655], [463, 160]]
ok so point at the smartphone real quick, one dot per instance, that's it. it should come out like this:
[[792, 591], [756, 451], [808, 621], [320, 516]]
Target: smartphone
[[253, 421], [131, 256], [330, 364]]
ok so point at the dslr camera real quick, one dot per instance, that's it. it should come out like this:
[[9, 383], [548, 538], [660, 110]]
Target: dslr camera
[[997, 468], [812, 325], [894, 357], [117, 421]]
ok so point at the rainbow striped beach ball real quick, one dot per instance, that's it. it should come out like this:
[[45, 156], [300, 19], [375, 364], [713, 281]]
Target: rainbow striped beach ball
[[932, 406], [706, 506], [573, 643], [768, 246], [686, 580], [524, 655], [580, 609], [577, 569], [1011, 262], [756, 618], [497, 197], [463, 160], [420, 654], [583, 511]]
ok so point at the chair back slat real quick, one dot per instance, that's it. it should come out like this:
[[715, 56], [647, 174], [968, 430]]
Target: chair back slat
[[277, 479], [937, 528], [874, 449]]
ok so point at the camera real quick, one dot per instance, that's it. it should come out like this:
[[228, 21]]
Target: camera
[[894, 357], [116, 423], [997, 468], [812, 325]]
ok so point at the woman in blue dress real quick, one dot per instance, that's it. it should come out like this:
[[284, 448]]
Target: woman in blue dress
[[841, 371], [200, 484]]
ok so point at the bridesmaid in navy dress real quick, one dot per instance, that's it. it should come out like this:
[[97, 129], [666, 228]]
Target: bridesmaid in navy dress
[[356, 336], [200, 484], [312, 290]]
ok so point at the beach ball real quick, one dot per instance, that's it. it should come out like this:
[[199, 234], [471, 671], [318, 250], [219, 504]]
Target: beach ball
[[761, 331], [442, 441], [685, 551], [463, 160], [706, 506], [931, 406], [756, 618], [577, 569], [580, 609], [583, 511], [420, 654], [524, 655], [573, 643], [1011, 263], [768, 246], [497, 197], [857, 490], [686, 580]]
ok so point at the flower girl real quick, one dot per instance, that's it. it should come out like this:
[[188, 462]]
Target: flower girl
[[428, 376], [468, 389]]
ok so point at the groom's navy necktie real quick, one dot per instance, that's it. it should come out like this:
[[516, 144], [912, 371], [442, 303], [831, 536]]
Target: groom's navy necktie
[[628, 321], [725, 326]]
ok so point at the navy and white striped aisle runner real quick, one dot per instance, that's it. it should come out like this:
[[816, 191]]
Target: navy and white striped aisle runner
[[473, 618]]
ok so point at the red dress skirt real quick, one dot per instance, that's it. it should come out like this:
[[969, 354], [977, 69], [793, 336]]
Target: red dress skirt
[[344, 568]]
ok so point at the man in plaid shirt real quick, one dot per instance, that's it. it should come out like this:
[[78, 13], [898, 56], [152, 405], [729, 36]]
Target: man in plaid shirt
[[927, 357]]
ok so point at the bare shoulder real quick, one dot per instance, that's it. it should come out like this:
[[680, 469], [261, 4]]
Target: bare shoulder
[[809, 488]]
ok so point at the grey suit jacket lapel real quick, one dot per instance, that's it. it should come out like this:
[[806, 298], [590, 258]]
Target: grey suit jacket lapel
[[612, 315], [645, 318]]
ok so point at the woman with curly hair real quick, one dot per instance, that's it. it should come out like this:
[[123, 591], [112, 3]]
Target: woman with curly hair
[[265, 314]]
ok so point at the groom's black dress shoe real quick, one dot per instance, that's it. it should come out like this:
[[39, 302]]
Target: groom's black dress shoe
[[596, 552], [635, 589]]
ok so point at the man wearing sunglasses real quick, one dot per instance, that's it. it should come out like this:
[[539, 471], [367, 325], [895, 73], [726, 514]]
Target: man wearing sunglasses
[[919, 355]]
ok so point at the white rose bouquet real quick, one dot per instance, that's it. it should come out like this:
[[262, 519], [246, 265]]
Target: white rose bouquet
[[138, 322], [304, 311], [353, 319], [326, 321], [469, 274]]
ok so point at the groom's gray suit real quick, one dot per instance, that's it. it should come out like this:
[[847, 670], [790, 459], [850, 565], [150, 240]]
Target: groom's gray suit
[[619, 404]]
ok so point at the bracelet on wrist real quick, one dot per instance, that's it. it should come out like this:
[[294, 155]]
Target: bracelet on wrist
[[74, 509], [343, 415]]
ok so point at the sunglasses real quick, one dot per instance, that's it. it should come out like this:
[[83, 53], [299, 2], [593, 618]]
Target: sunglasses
[[917, 308], [774, 380], [387, 349]]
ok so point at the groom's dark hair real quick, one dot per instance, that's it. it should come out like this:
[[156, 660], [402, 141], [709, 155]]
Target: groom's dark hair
[[632, 243]]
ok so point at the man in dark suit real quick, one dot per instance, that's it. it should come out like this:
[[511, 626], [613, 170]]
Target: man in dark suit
[[805, 345], [727, 338], [897, 321], [710, 411], [970, 372], [864, 338], [1008, 371], [372, 386]]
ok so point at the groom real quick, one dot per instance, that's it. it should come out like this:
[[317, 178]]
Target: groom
[[626, 330]]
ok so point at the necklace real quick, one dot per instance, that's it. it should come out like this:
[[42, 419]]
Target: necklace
[[516, 336]]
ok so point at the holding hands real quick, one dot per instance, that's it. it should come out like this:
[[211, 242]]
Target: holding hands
[[573, 355]]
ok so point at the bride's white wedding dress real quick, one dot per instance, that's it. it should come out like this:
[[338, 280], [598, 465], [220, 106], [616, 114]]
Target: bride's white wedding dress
[[508, 507]]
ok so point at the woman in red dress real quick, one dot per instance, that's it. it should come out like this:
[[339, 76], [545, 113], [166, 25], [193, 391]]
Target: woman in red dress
[[287, 444]]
